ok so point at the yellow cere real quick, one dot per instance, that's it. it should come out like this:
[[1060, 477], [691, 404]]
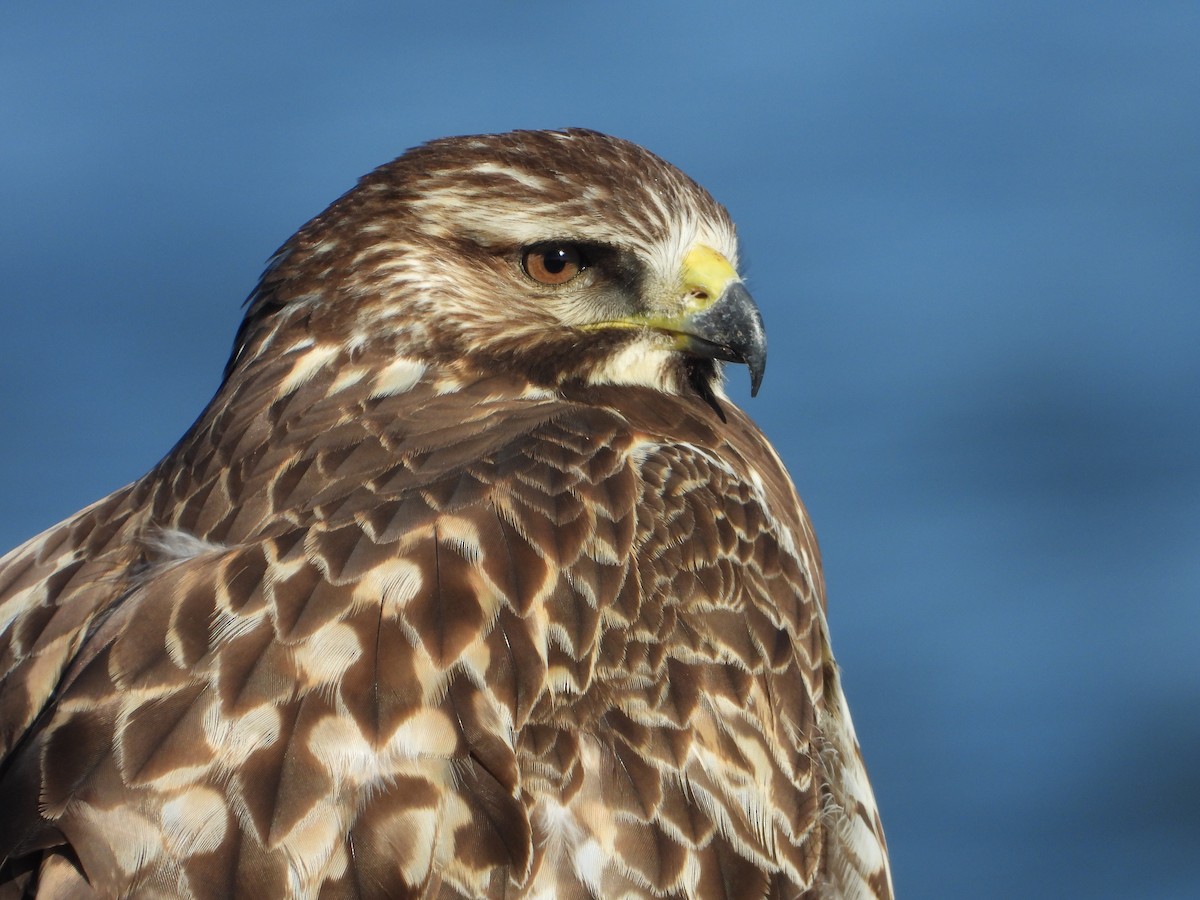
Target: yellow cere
[[706, 274]]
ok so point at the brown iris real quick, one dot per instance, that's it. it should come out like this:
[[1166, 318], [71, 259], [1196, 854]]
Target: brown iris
[[553, 263]]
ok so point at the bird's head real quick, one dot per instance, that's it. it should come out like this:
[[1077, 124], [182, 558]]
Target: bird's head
[[565, 256]]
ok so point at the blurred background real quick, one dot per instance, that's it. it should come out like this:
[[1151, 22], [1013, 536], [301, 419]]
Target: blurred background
[[974, 232]]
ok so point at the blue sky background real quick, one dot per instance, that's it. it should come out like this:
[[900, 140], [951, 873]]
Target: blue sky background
[[974, 232]]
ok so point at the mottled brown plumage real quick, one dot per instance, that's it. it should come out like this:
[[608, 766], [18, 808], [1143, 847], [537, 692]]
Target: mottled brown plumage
[[466, 584]]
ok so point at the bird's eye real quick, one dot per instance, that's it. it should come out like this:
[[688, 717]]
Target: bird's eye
[[553, 263]]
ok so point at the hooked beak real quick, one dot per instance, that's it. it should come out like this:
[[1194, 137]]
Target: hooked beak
[[721, 320]]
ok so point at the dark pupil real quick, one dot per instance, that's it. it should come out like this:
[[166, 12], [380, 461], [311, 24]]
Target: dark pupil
[[556, 261]]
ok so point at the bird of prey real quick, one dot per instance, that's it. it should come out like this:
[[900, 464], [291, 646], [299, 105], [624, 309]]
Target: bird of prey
[[469, 582]]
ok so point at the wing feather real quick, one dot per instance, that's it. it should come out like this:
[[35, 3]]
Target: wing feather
[[441, 650]]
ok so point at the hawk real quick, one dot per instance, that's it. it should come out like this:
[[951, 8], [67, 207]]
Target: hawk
[[469, 582]]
